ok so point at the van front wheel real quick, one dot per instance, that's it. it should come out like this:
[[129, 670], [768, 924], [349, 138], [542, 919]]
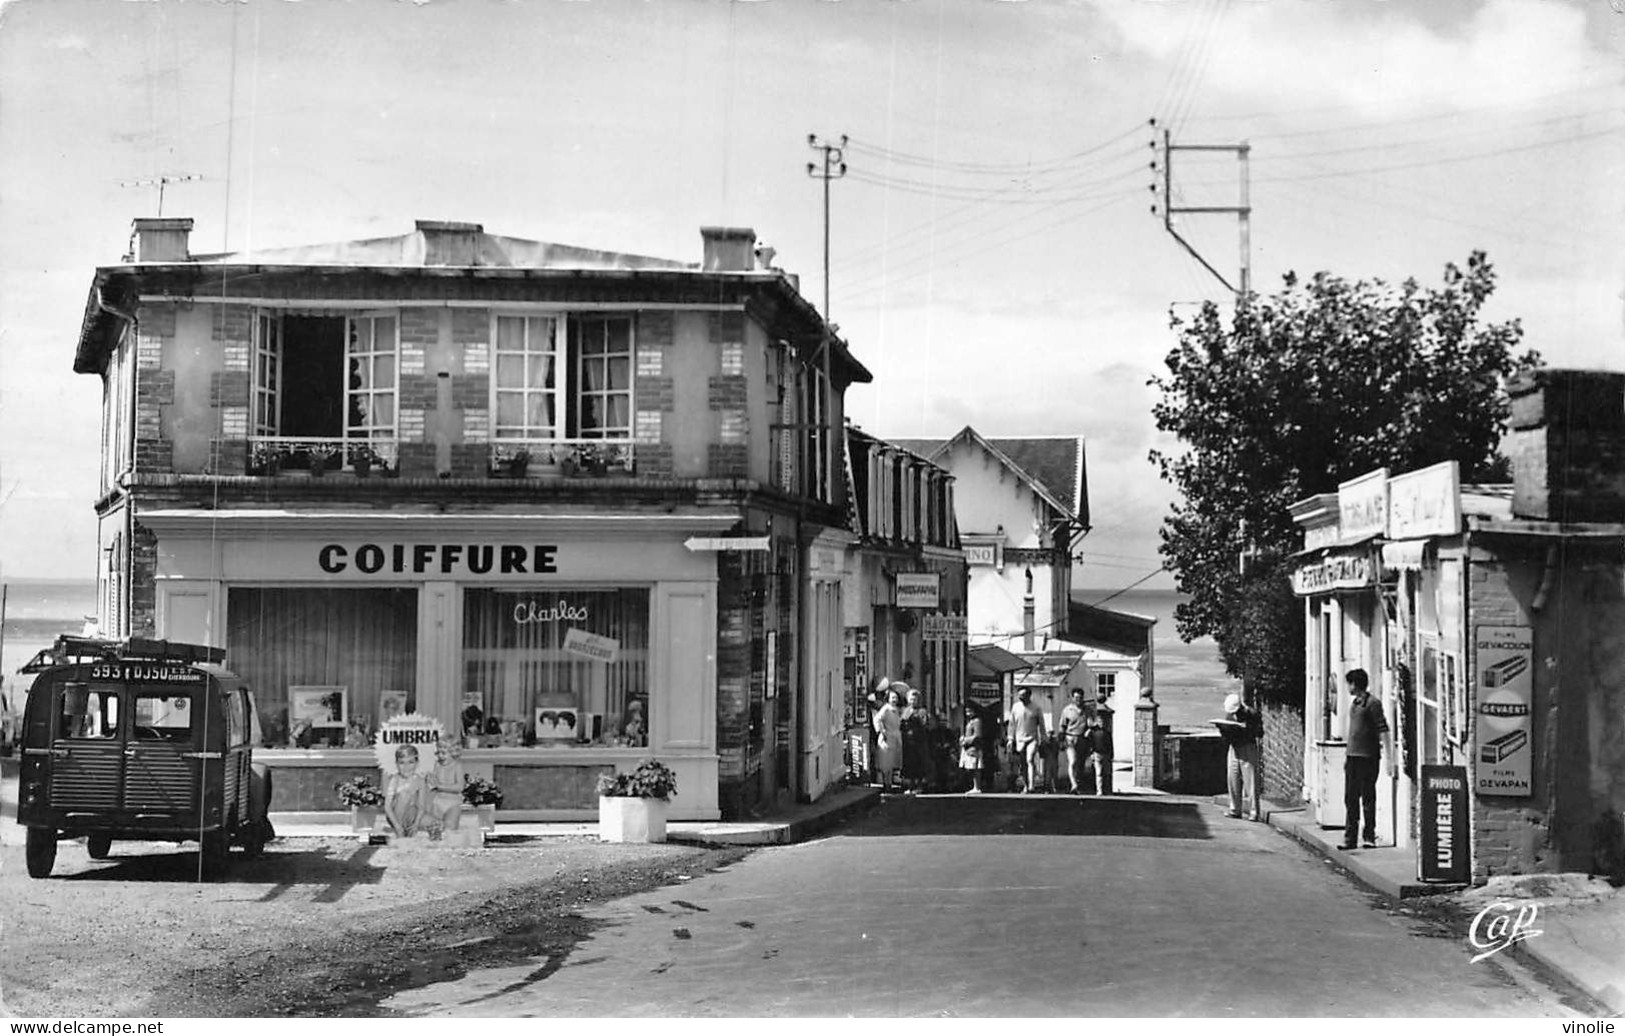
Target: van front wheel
[[99, 846], [41, 851]]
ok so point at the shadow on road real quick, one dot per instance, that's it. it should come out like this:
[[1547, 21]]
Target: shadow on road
[[1036, 815], [281, 868]]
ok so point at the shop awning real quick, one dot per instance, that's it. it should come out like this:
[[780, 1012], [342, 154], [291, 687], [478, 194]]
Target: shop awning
[[1403, 555], [991, 661]]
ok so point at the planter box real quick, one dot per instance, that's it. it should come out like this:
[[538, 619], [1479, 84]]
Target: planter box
[[365, 822], [622, 819]]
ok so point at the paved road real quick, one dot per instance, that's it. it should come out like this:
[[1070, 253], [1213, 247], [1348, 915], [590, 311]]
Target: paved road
[[1003, 906]]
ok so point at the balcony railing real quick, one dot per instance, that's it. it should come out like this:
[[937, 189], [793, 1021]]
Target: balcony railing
[[317, 455], [524, 458]]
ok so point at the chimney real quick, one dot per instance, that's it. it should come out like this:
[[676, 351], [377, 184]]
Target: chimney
[[160, 240], [728, 248], [1566, 439], [450, 244], [1029, 611]]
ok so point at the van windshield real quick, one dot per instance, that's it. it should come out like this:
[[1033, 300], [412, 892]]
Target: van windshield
[[162, 717]]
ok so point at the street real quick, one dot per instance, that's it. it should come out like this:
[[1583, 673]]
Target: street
[[1004, 906]]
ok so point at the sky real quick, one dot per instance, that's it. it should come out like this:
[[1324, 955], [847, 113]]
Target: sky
[[994, 258]]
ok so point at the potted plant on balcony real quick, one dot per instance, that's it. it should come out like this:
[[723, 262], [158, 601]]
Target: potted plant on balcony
[[632, 806], [485, 797], [366, 802], [519, 464]]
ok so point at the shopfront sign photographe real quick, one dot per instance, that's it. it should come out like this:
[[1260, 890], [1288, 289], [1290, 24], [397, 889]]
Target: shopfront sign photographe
[[1505, 732], [1446, 840], [918, 589], [1350, 571]]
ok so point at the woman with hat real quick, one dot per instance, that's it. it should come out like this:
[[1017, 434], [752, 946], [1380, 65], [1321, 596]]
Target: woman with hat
[[1241, 729]]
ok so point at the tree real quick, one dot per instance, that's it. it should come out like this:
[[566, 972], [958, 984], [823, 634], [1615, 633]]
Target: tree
[[1320, 383]]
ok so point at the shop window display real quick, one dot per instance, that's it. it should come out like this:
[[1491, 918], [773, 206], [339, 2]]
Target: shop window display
[[326, 665], [555, 668]]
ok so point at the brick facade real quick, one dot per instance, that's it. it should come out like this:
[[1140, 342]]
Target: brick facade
[[1282, 749], [727, 460]]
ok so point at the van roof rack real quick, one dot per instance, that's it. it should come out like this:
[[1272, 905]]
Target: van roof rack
[[69, 648]]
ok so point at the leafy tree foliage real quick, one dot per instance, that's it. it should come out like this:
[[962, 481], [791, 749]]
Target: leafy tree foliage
[[1322, 382]]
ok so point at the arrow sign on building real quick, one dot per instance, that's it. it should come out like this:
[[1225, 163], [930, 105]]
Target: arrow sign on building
[[698, 543]]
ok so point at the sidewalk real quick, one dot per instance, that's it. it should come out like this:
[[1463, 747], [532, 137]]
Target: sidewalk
[[801, 821], [1581, 937], [797, 823]]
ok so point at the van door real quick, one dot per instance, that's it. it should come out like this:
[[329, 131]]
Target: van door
[[162, 768], [87, 754]]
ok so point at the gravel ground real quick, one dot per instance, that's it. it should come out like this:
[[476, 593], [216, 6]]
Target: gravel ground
[[318, 927]]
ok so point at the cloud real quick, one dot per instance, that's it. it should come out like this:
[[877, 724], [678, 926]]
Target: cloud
[[1377, 59]]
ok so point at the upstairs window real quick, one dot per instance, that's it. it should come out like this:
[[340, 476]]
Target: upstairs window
[[325, 377], [562, 378], [525, 382]]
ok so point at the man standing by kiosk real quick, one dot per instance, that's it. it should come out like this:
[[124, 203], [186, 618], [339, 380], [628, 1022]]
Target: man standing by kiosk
[[1368, 729]]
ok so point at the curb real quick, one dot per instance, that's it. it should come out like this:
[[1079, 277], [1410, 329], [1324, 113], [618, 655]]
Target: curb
[[1361, 872], [784, 832], [1610, 996]]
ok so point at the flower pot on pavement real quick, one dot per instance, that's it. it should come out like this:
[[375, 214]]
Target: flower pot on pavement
[[625, 819], [365, 821]]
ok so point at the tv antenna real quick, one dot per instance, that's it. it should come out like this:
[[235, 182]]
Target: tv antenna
[[160, 182]]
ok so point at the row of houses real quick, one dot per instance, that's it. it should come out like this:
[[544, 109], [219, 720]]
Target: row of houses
[[579, 506]]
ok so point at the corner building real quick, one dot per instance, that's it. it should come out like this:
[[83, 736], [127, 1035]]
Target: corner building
[[562, 500]]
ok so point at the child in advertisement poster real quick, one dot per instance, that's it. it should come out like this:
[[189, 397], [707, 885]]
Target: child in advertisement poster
[[408, 802], [446, 785]]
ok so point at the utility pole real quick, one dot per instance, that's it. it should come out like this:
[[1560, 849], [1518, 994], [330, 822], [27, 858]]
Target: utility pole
[[833, 167], [1242, 211], [160, 182]]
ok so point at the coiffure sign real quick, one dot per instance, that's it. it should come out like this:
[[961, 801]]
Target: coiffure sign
[[445, 559]]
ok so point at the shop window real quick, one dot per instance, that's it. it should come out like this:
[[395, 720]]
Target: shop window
[[1450, 697], [555, 668], [363, 640], [87, 713]]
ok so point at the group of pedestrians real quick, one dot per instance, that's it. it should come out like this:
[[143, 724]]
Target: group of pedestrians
[[903, 728], [905, 745]]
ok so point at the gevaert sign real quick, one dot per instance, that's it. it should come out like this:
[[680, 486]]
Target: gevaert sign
[[698, 543]]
